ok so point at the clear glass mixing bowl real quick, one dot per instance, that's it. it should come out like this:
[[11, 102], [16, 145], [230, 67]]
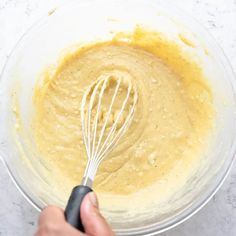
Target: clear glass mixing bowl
[[87, 21]]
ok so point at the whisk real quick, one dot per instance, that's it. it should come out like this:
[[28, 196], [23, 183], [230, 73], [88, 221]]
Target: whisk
[[107, 110]]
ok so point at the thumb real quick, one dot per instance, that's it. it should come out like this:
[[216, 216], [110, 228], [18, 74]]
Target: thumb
[[93, 222]]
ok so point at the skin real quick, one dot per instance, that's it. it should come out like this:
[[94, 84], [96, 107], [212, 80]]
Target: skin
[[52, 221]]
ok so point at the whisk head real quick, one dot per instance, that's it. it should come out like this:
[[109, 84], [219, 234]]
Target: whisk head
[[107, 110]]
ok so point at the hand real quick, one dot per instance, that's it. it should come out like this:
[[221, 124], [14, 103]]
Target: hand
[[52, 221]]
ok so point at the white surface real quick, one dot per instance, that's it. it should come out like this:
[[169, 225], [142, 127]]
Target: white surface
[[218, 217]]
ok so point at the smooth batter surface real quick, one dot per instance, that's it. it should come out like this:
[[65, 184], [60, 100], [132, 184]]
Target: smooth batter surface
[[173, 117]]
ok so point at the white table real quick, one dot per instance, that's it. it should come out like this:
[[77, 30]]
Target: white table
[[218, 217]]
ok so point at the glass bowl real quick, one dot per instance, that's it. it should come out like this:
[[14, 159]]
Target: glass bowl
[[87, 21]]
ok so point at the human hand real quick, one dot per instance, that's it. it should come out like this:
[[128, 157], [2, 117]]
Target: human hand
[[52, 221]]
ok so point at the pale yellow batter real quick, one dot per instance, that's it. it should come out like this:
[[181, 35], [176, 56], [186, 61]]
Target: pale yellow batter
[[173, 117]]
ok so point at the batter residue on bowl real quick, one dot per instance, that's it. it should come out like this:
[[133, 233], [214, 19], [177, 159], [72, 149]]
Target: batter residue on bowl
[[172, 121]]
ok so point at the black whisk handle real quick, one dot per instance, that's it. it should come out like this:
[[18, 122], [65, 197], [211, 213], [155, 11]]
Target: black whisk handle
[[72, 211]]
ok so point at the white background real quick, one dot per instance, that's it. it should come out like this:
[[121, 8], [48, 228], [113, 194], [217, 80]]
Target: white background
[[218, 217]]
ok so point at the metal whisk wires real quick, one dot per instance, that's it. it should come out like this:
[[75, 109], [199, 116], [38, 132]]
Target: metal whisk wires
[[107, 110]]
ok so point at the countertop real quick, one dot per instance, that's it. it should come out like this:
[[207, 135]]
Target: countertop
[[218, 217]]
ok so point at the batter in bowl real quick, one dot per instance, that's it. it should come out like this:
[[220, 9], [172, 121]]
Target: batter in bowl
[[170, 129]]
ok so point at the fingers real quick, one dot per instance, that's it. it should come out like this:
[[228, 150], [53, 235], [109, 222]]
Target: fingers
[[51, 214], [52, 223], [93, 221]]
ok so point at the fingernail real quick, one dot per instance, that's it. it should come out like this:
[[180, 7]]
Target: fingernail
[[93, 199]]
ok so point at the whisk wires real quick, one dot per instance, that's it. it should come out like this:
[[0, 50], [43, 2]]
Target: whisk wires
[[100, 131]]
